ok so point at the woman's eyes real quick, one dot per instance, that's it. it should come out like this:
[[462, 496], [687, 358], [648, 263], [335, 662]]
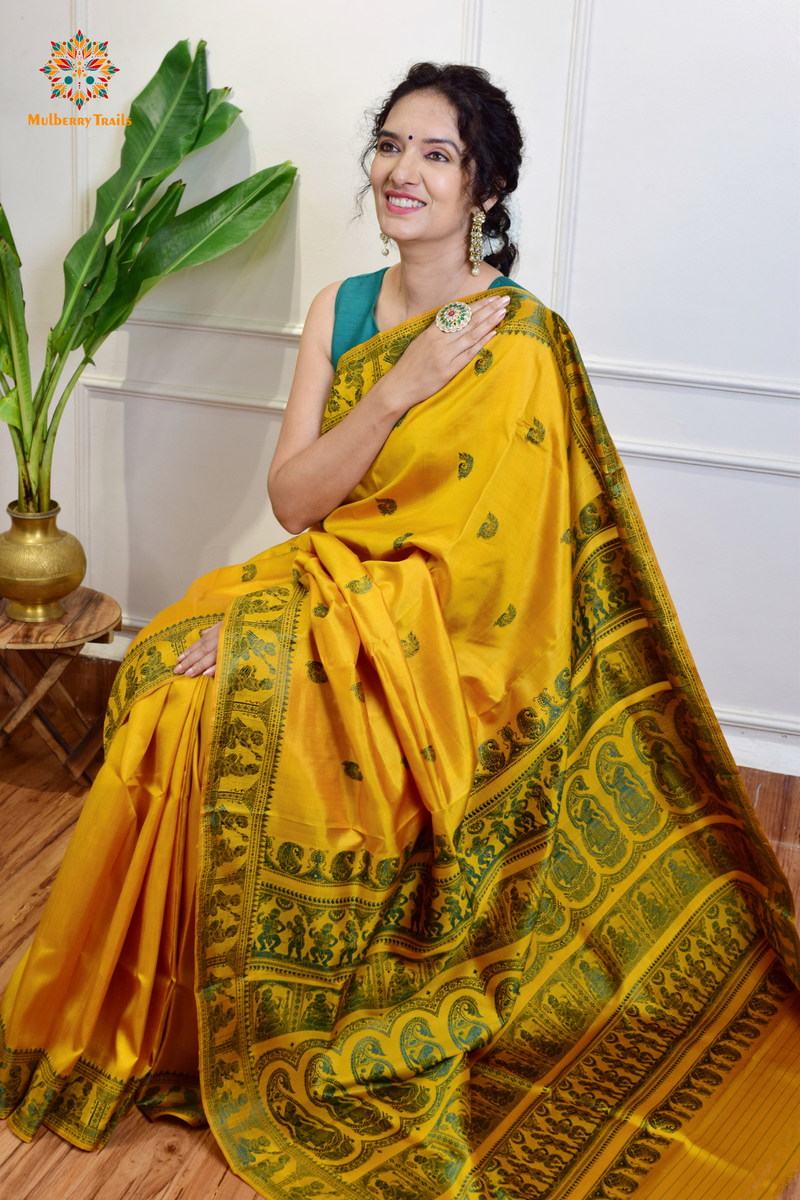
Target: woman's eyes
[[391, 148]]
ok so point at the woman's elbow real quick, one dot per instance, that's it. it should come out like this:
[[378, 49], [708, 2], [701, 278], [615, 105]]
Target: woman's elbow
[[290, 521], [292, 525]]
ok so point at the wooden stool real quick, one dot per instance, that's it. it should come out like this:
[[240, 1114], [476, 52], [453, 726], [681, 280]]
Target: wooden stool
[[89, 617]]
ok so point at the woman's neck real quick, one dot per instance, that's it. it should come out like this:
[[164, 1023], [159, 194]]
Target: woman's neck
[[417, 285]]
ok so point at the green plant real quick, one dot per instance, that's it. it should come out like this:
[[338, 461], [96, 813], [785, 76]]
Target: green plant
[[134, 241]]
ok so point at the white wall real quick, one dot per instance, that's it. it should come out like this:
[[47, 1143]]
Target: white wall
[[658, 213]]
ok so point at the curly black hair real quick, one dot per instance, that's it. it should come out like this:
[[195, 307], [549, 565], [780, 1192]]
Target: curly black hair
[[488, 127]]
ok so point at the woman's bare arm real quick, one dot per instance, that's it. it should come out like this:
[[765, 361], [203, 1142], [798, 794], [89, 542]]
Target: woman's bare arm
[[311, 475]]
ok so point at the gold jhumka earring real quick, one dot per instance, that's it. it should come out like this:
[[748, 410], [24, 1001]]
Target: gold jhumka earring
[[476, 242], [385, 241]]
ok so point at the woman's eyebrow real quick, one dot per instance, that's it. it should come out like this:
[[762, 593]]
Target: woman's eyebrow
[[441, 141], [426, 141]]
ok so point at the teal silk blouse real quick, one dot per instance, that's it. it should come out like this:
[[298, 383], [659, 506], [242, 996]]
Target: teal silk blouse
[[354, 319]]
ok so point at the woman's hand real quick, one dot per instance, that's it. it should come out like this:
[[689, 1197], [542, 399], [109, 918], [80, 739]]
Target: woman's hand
[[311, 475], [434, 357], [201, 657]]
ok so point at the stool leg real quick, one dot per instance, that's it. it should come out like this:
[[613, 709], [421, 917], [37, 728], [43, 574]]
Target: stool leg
[[62, 699], [78, 760], [46, 730], [30, 702]]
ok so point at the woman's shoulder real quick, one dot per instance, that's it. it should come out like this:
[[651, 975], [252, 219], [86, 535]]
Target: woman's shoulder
[[357, 292], [360, 290], [504, 281]]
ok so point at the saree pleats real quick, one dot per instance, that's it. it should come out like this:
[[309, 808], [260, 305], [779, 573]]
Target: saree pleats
[[482, 909], [100, 976]]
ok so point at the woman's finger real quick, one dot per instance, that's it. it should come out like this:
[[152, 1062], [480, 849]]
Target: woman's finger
[[474, 349], [489, 317], [190, 657], [479, 305], [201, 664], [203, 651], [212, 634]]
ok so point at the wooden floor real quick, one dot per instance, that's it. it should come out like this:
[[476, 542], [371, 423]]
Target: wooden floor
[[39, 804]]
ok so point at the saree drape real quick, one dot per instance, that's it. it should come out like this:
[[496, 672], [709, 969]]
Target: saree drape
[[479, 907]]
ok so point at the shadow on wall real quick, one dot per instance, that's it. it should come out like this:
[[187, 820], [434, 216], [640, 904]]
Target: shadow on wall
[[194, 470], [256, 280], [195, 479]]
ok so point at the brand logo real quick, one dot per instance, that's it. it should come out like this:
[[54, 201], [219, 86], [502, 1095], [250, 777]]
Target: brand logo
[[79, 70]]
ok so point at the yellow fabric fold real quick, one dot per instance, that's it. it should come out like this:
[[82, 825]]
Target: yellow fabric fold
[[482, 908]]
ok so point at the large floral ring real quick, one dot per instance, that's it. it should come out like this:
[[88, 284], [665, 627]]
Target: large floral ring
[[453, 317]]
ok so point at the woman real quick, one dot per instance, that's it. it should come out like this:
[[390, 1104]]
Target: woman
[[479, 906]]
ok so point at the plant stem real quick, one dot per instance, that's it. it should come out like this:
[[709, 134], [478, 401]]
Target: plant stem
[[50, 441], [36, 451], [26, 498], [48, 366]]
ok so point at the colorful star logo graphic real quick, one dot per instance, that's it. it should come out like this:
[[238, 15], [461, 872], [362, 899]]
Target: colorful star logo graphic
[[79, 70]]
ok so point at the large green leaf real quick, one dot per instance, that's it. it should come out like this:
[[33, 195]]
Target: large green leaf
[[9, 409], [5, 233], [108, 277], [218, 119], [165, 119], [161, 212], [196, 236], [12, 307], [6, 363], [147, 189], [216, 226], [120, 255]]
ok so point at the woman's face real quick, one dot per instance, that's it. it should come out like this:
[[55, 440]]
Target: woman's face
[[419, 184]]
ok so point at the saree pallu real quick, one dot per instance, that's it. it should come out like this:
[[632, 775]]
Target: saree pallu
[[479, 907]]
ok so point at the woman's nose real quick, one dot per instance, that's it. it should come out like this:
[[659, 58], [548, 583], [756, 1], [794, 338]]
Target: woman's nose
[[405, 169]]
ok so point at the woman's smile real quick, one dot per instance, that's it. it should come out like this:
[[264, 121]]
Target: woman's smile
[[400, 202]]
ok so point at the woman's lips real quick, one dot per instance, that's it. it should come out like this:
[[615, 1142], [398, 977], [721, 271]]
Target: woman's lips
[[394, 207]]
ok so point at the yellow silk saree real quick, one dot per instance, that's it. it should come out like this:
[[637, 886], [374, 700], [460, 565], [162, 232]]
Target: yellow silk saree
[[446, 885]]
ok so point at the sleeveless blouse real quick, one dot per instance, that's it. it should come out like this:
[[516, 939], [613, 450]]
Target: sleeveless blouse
[[354, 316]]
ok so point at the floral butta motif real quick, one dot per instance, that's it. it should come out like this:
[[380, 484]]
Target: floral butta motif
[[79, 70]]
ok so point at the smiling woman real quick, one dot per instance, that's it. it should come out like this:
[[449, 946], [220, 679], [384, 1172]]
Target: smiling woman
[[479, 133], [445, 885]]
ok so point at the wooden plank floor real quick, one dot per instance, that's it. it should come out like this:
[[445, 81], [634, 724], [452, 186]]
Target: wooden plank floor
[[39, 804]]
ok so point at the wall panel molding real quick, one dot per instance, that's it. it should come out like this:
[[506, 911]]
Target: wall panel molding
[[472, 23], [198, 323], [761, 721], [704, 457], [79, 183], [687, 377], [176, 394], [133, 624], [571, 148], [79, 143]]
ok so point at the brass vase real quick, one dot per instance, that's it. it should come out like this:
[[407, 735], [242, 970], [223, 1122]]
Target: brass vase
[[40, 564]]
